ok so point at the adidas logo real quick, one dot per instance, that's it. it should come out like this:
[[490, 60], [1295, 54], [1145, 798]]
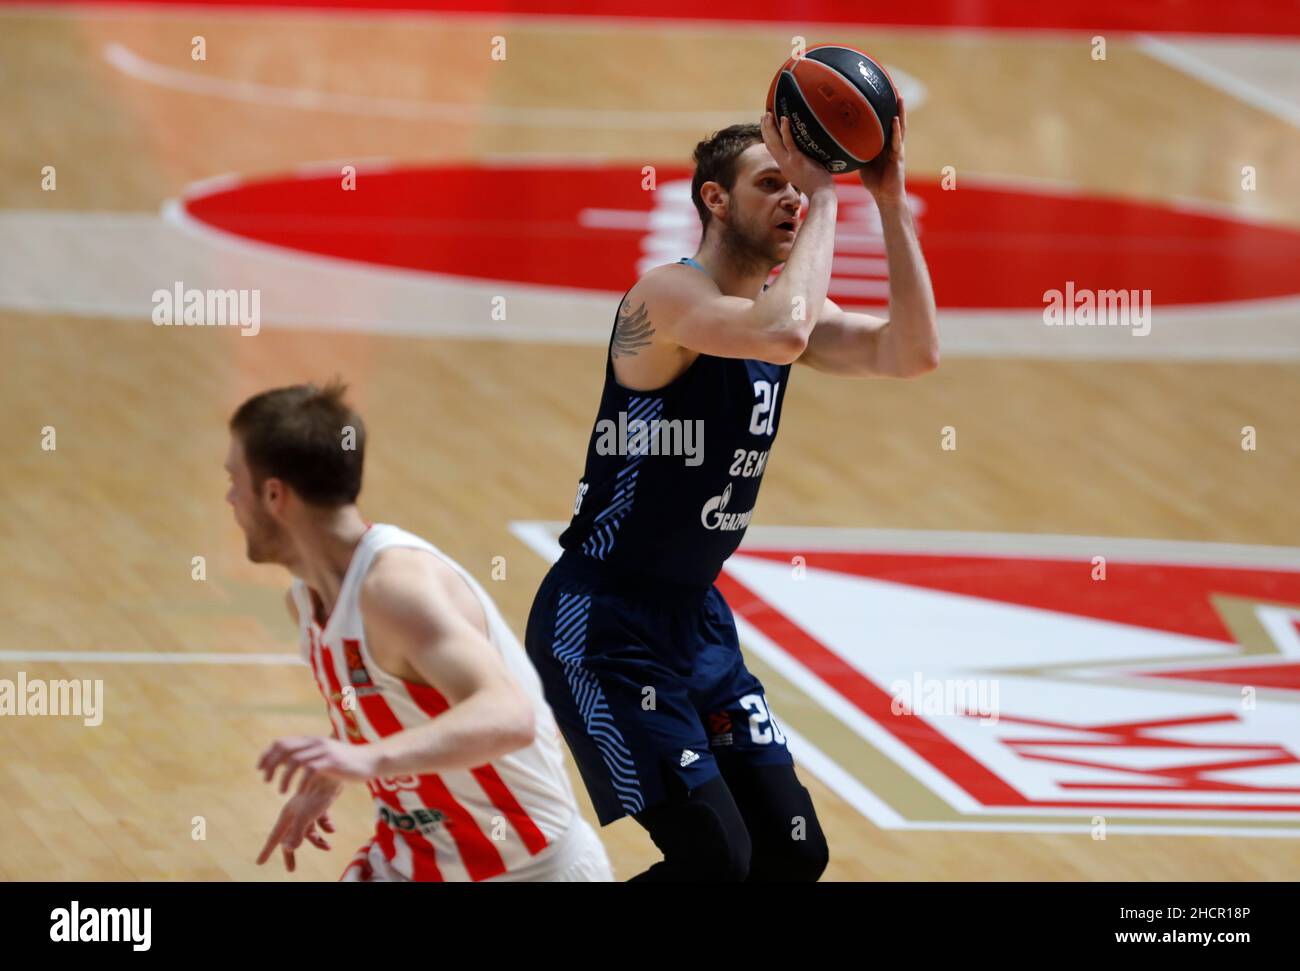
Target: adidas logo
[[688, 757]]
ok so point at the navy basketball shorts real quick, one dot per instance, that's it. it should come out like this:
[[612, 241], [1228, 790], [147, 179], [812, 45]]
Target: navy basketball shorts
[[647, 683]]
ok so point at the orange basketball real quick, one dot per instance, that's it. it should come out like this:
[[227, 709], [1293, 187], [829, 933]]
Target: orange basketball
[[841, 104]]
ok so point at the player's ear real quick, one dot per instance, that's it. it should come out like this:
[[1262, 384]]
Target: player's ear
[[274, 492], [713, 193]]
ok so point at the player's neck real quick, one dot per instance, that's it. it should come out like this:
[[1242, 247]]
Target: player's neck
[[324, 549], [737, 274]]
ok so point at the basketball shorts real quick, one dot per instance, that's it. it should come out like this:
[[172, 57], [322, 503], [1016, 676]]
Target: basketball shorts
[[576, 857], [648, 685]]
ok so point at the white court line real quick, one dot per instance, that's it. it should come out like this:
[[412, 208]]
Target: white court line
[[1129, 549], [1121, 829], [1207, 73], [866, 802], [150, 657], [133, 65], [306, 99]]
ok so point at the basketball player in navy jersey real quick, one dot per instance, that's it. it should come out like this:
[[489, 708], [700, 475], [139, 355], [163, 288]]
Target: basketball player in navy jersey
[[636, 647]]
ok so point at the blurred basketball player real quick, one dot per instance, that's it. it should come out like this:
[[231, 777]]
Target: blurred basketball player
[[433, 703], [636, 648]]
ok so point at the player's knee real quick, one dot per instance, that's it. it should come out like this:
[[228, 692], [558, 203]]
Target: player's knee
[[796, 853], [734, 865], [719, 853], [702, 836], [794, 861], [815, 859]]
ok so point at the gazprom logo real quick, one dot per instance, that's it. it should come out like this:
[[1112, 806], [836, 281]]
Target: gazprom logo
[[713, 517]]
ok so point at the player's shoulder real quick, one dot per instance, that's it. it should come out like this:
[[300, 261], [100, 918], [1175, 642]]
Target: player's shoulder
[[671, 285], [419, 592], [406, 579]]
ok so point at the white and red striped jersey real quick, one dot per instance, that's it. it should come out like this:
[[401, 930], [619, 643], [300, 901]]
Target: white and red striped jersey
[[471, 824]]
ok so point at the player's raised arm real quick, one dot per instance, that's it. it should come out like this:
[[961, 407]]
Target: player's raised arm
[[860, 345], [776, 325], [412, 610], [907, 343]]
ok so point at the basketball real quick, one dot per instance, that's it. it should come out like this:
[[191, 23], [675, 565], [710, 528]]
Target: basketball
[[840, 102]]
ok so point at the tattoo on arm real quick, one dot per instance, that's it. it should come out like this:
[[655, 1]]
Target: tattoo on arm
[[631, 332]]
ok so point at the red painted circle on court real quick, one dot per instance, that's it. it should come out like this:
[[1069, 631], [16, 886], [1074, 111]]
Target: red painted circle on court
[[595, 228]]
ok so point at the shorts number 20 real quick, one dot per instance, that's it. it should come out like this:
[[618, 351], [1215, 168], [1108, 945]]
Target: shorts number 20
[[762, 726]]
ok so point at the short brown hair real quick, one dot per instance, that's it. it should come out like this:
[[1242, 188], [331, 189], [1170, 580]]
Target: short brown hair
[[715, 161], [297, 434]]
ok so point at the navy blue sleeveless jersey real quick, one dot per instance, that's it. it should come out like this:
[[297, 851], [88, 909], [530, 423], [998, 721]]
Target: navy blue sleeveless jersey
[[672, 475]]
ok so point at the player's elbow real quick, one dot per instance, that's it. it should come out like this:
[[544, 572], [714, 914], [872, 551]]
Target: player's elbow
[[919, 362], [926, 362], [786, 347], [526, 727], [518, 727]]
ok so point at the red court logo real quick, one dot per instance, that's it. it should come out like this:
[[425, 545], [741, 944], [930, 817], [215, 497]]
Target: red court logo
[[1161, 693], [594, 227]]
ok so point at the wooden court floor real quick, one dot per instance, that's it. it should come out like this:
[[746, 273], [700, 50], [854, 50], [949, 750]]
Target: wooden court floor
[[468, 436]]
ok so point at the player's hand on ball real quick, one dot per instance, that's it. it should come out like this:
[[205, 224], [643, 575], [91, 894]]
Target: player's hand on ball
[[883, 176], [805, 172], [300, 817], [315, 756]]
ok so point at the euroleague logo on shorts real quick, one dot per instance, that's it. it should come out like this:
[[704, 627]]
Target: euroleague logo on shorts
[[720, 732], [596, 227]]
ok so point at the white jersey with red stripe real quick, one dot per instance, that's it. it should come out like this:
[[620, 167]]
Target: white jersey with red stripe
[[505, 819]]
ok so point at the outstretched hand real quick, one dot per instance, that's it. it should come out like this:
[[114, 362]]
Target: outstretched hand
[[298, 820]]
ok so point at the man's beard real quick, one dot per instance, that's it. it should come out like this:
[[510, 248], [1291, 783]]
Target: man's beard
[[265, 540], [750, 248]]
